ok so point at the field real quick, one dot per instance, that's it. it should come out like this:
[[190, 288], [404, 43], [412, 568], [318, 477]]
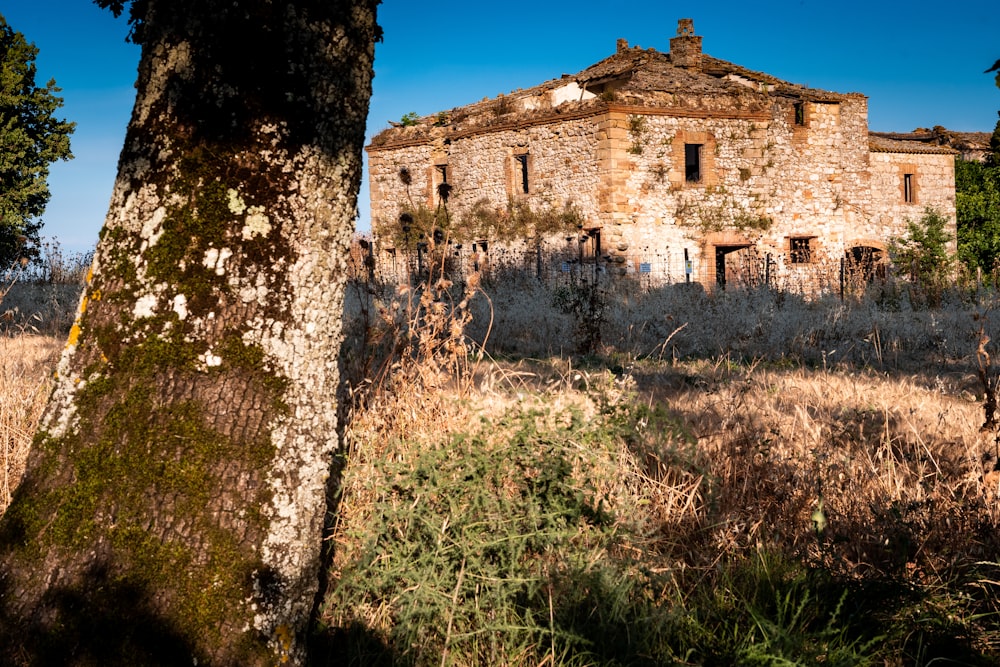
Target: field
[[591, 474], [595, 475]]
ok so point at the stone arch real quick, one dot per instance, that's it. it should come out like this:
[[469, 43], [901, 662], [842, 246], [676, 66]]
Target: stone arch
[[865, 259]]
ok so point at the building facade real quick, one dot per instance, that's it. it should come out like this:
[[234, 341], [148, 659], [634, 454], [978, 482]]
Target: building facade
[[676, 165]]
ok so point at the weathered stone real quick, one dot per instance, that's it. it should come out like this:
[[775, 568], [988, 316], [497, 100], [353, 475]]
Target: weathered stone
[[779, 164]]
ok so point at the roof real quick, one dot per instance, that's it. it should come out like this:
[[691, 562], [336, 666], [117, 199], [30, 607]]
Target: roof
[[648, 70], [885, 142], [630, 77], [686, 80], [939, 137]]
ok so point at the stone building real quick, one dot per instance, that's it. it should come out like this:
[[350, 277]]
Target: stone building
[[678, 166]]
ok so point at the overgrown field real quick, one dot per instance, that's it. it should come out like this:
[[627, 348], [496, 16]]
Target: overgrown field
[[588, 475], [745, 478]]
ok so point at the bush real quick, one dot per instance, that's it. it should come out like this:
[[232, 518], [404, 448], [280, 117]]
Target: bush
[[479, 551], [925, 255]]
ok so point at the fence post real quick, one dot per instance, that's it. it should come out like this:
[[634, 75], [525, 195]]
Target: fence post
[[843, 277]]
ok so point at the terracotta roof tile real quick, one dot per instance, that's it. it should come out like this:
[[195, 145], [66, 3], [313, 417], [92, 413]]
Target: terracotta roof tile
[[880, 142]]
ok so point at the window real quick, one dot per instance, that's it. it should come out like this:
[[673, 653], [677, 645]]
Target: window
[[800, 249], [521, 172], [692, 159], [590, 245], [480, 254], [800, 113], [908, 188], [441, 187], [692, 163], [442, 173]]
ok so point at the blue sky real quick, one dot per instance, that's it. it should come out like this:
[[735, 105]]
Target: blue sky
[[920, 63]]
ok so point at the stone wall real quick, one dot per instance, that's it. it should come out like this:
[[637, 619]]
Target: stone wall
[[932, 185], [561, 163], [792, 188]]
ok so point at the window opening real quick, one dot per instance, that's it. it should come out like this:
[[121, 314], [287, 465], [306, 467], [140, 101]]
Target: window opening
[[800, 113], [908, 188], [590, 245], [441, 186], [522, 164], [862, 265], [800, 250], [692, 163]]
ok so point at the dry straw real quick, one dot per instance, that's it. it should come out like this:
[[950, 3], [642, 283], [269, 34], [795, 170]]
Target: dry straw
[[708, 436], [26, 363]]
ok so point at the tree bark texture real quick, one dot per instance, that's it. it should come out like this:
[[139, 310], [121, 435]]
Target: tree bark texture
[[173, 505]]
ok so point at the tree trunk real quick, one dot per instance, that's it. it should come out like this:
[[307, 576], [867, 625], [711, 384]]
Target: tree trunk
[[173, 505]]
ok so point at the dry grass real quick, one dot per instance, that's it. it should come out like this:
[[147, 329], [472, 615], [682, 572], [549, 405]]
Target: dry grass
[[843, 435], [909, 486], [907, 480], [26, 365], [770, 442], [734, 423]]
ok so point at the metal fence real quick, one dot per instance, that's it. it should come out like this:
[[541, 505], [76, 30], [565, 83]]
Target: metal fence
[[743, 267]]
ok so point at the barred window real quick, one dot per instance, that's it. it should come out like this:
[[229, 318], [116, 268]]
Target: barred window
[[800, 249]]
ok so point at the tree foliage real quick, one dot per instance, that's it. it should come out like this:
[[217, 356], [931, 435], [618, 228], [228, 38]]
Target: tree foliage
[[31, 138], [977, 203], [923, 252], [995, 68]]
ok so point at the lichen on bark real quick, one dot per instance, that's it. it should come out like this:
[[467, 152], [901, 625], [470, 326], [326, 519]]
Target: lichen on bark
[[182, 462]]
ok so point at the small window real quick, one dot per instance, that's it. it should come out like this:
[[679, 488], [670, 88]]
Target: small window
[[800, 249], [521, 164], [441, 186], [590, 244], [692, 163], [800, 113], [908, 192]]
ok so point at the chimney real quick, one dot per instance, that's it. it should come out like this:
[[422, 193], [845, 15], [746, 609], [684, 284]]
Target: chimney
[[622, 45], [685, 48]]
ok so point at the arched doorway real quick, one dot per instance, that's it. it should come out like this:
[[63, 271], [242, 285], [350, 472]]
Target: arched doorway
[[862, 265]]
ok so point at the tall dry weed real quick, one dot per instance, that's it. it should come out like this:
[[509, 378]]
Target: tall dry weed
[[26, 364]]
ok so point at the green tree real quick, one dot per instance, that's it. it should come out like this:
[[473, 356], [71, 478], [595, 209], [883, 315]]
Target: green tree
[[977, 204], [31, 138], [173, 505], [995, 68], [993, 159], [923, 253]]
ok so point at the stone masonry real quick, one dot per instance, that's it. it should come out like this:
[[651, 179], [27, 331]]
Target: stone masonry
[[679, 164]]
